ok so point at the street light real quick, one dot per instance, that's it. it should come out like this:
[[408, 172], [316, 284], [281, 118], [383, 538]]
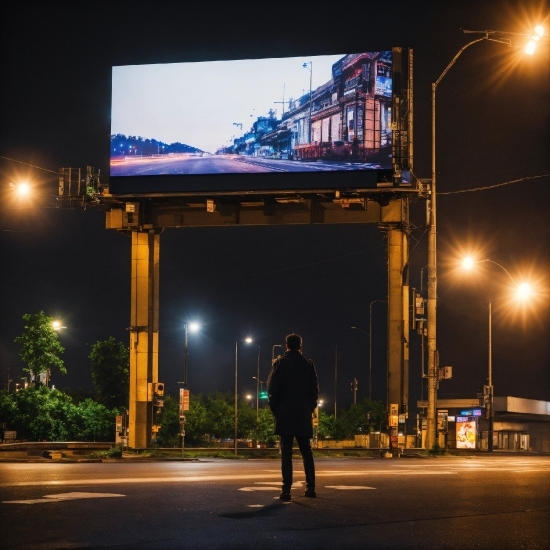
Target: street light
[[310, 69], [191, 327], [523, 291], [369, 334], [21, 189], [249, 340], [531, 46], [491, 36]]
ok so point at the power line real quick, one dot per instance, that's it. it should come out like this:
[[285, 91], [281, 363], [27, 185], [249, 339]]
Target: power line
[[493, 186], [31, 165]]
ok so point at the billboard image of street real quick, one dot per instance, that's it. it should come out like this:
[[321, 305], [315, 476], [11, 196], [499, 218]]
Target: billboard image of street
[[316, 114]]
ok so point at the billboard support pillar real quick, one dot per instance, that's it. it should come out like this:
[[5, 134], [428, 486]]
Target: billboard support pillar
[[398, 313], [144, 326]]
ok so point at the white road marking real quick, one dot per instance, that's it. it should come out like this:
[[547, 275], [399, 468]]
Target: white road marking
[[192, 479], [260, 488], [296, 484], [255, 505], [63, 496], [347, 487]]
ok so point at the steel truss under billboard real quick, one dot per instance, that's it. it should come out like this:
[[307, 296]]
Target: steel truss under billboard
[[196, 128]]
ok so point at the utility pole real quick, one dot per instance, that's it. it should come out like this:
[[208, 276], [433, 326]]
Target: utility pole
[[335, 378], [354, 390]]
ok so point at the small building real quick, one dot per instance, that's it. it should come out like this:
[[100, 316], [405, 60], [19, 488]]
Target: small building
[[519, 424]]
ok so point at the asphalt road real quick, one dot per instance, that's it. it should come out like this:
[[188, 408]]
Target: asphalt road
[[477, 502], [224, 164]]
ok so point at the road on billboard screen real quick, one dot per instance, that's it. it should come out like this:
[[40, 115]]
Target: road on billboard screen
[[226, 164]]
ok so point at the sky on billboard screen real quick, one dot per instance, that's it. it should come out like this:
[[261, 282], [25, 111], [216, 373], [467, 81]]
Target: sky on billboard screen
[[198, 103]]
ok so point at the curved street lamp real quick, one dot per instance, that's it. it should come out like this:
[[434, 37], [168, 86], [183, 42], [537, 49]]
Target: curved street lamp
[[523, 291], [492, 36]]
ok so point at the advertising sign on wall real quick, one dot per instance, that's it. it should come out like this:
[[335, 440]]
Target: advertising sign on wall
[[466, 432]]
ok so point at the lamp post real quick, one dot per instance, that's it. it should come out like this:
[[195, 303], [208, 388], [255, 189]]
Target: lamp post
[[523, 291], [193, 327], [369, 334], [236, 371], [310, 69], [432, 251], [250, 341]]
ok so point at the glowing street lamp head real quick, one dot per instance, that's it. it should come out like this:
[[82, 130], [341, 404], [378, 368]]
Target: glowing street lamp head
[[194, 327], [248, 340], [535, 37], [56, 325], [524, 291], [468, 263]]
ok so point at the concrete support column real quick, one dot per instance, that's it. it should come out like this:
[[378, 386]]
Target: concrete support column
[[397, 318], [144, 327]]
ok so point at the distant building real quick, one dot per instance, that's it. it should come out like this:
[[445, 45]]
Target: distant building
[[348, 117]]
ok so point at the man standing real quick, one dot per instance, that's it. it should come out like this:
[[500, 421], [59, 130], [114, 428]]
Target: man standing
[[293, 389]]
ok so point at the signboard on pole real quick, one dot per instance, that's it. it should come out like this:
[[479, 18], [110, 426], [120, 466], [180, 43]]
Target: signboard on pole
[[394, 415], [184, 400]]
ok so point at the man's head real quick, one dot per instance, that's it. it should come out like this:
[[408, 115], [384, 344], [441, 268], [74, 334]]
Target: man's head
[[294, 342]]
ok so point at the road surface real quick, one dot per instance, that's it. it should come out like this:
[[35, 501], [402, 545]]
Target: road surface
[[224, 164], [478, 502]]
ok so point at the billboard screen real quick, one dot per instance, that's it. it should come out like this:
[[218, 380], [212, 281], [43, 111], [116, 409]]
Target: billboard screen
[[188, 126]]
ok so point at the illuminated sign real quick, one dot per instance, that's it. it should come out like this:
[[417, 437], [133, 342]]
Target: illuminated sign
[[184, 126], [466, 433]]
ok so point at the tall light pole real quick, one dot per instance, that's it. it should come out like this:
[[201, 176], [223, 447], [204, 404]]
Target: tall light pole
[[236, 371], [193, 327], [310, 69], [369, 334], [432, 255], [251, 341], [523, 291]]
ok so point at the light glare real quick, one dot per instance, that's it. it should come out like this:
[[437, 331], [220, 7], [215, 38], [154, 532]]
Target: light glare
[[524, 291], [23, 189], [194, 327], [539, 30], [248, 340], [468, 263], [530, 48]]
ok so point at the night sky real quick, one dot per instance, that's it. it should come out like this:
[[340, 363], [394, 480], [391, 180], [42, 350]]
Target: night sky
[[493, 127]]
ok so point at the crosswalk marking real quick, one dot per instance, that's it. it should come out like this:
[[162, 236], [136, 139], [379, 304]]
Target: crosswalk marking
[[63, 497]]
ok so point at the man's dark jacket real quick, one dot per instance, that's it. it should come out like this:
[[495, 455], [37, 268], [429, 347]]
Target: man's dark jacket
[[293, 390]]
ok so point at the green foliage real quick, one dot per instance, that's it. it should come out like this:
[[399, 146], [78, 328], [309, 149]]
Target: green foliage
[[110, 367], [40, 413], [115, 452], [40, 347], [168, 436], [213, 416], [220, 415], [92, 421], [362, 418]]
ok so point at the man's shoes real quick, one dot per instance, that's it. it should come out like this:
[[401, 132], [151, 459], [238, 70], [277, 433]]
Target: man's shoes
[[310, 493], [285, 495]]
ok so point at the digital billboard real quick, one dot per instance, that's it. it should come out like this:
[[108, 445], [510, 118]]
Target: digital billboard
[[214, 125]]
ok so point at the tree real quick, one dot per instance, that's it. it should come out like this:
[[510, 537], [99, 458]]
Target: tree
[[92, 421], [40, 346], [220, 415], [169, 434], [41, 413], [110, 366]]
